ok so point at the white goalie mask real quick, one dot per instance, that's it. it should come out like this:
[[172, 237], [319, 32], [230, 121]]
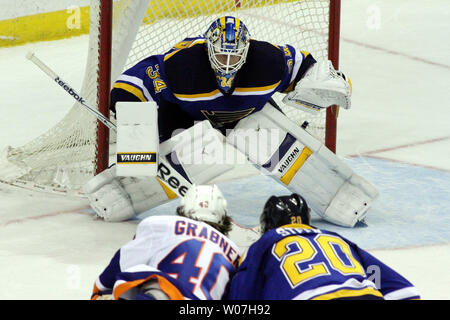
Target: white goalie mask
[[228, 41], [205, 203]]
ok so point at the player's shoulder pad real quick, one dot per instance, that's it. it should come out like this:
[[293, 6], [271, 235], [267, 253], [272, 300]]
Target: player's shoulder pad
[[265, 65], [185, 44], [187, 68]]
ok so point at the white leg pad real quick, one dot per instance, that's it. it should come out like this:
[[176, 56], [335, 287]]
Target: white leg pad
[[121, 198], [188, 158], [305, 166], [355, 195], [200, 149]]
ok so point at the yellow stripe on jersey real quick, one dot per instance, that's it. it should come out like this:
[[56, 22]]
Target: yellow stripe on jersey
[[131, 89], [304, 155], [305, 53], [197, 95], [243, 256], [183, 45], [256, 89], [238, 91], [295, 225], [345, 293]]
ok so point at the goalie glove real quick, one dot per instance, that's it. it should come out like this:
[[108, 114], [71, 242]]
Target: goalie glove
[[320, 87]]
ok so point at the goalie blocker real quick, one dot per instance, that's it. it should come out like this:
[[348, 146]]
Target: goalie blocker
[[118, 198], [305, 166]]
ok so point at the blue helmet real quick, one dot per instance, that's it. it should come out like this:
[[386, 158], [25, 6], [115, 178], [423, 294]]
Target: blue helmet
[[228, 41]]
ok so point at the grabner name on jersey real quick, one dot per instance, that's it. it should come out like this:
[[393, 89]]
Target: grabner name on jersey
[[192, 229]]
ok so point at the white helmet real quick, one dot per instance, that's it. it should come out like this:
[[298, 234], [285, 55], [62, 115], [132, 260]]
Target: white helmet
[[205, 203]]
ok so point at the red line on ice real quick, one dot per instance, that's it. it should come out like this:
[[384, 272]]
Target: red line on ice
[[397, 53], [42, 216], [408, 145], [372, 154], [408, 163]]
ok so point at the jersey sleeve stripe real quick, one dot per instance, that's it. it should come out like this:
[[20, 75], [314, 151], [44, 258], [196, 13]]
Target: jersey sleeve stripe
[[344, 293], [169, 289], [137, 83], [351, 284], [96, 293], [131, 89], [297, 63], [122, 287]]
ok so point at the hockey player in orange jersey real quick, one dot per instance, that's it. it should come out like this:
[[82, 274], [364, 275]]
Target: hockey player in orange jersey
[[175, 257]]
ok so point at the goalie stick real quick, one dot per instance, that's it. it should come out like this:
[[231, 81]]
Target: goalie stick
[[63, 84], [246, 235], [164, 174]]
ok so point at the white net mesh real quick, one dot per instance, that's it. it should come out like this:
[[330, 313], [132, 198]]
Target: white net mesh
[[63, 159]]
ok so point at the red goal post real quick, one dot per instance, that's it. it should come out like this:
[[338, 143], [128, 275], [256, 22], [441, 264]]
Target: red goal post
[[333, 55], [104, 81]]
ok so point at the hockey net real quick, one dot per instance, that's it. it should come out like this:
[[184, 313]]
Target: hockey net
[[66, 156]]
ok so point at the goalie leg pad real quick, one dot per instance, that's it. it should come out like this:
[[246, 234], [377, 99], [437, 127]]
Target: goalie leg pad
[[121, 198], [187, 158], [200, 150], [305, 166]]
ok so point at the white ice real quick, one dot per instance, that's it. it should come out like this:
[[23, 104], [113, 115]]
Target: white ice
[[397, 134]]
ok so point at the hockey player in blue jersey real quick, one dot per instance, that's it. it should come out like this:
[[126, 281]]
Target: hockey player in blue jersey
[[222, 77], [175, 257], [296, 261], [226, 79]]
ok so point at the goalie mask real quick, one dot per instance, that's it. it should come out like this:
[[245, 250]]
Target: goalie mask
[[283, 210], [227, 41], [204, 203]]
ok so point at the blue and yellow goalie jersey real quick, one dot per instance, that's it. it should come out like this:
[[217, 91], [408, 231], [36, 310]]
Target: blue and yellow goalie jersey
[[305, 263], [184, 85]]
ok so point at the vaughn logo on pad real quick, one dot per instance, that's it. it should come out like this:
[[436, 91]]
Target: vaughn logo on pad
[[136, 157]]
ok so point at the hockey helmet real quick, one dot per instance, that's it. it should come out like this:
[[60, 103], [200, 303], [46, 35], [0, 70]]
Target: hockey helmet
[[227, 40], [283, 210], [204, 203]]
